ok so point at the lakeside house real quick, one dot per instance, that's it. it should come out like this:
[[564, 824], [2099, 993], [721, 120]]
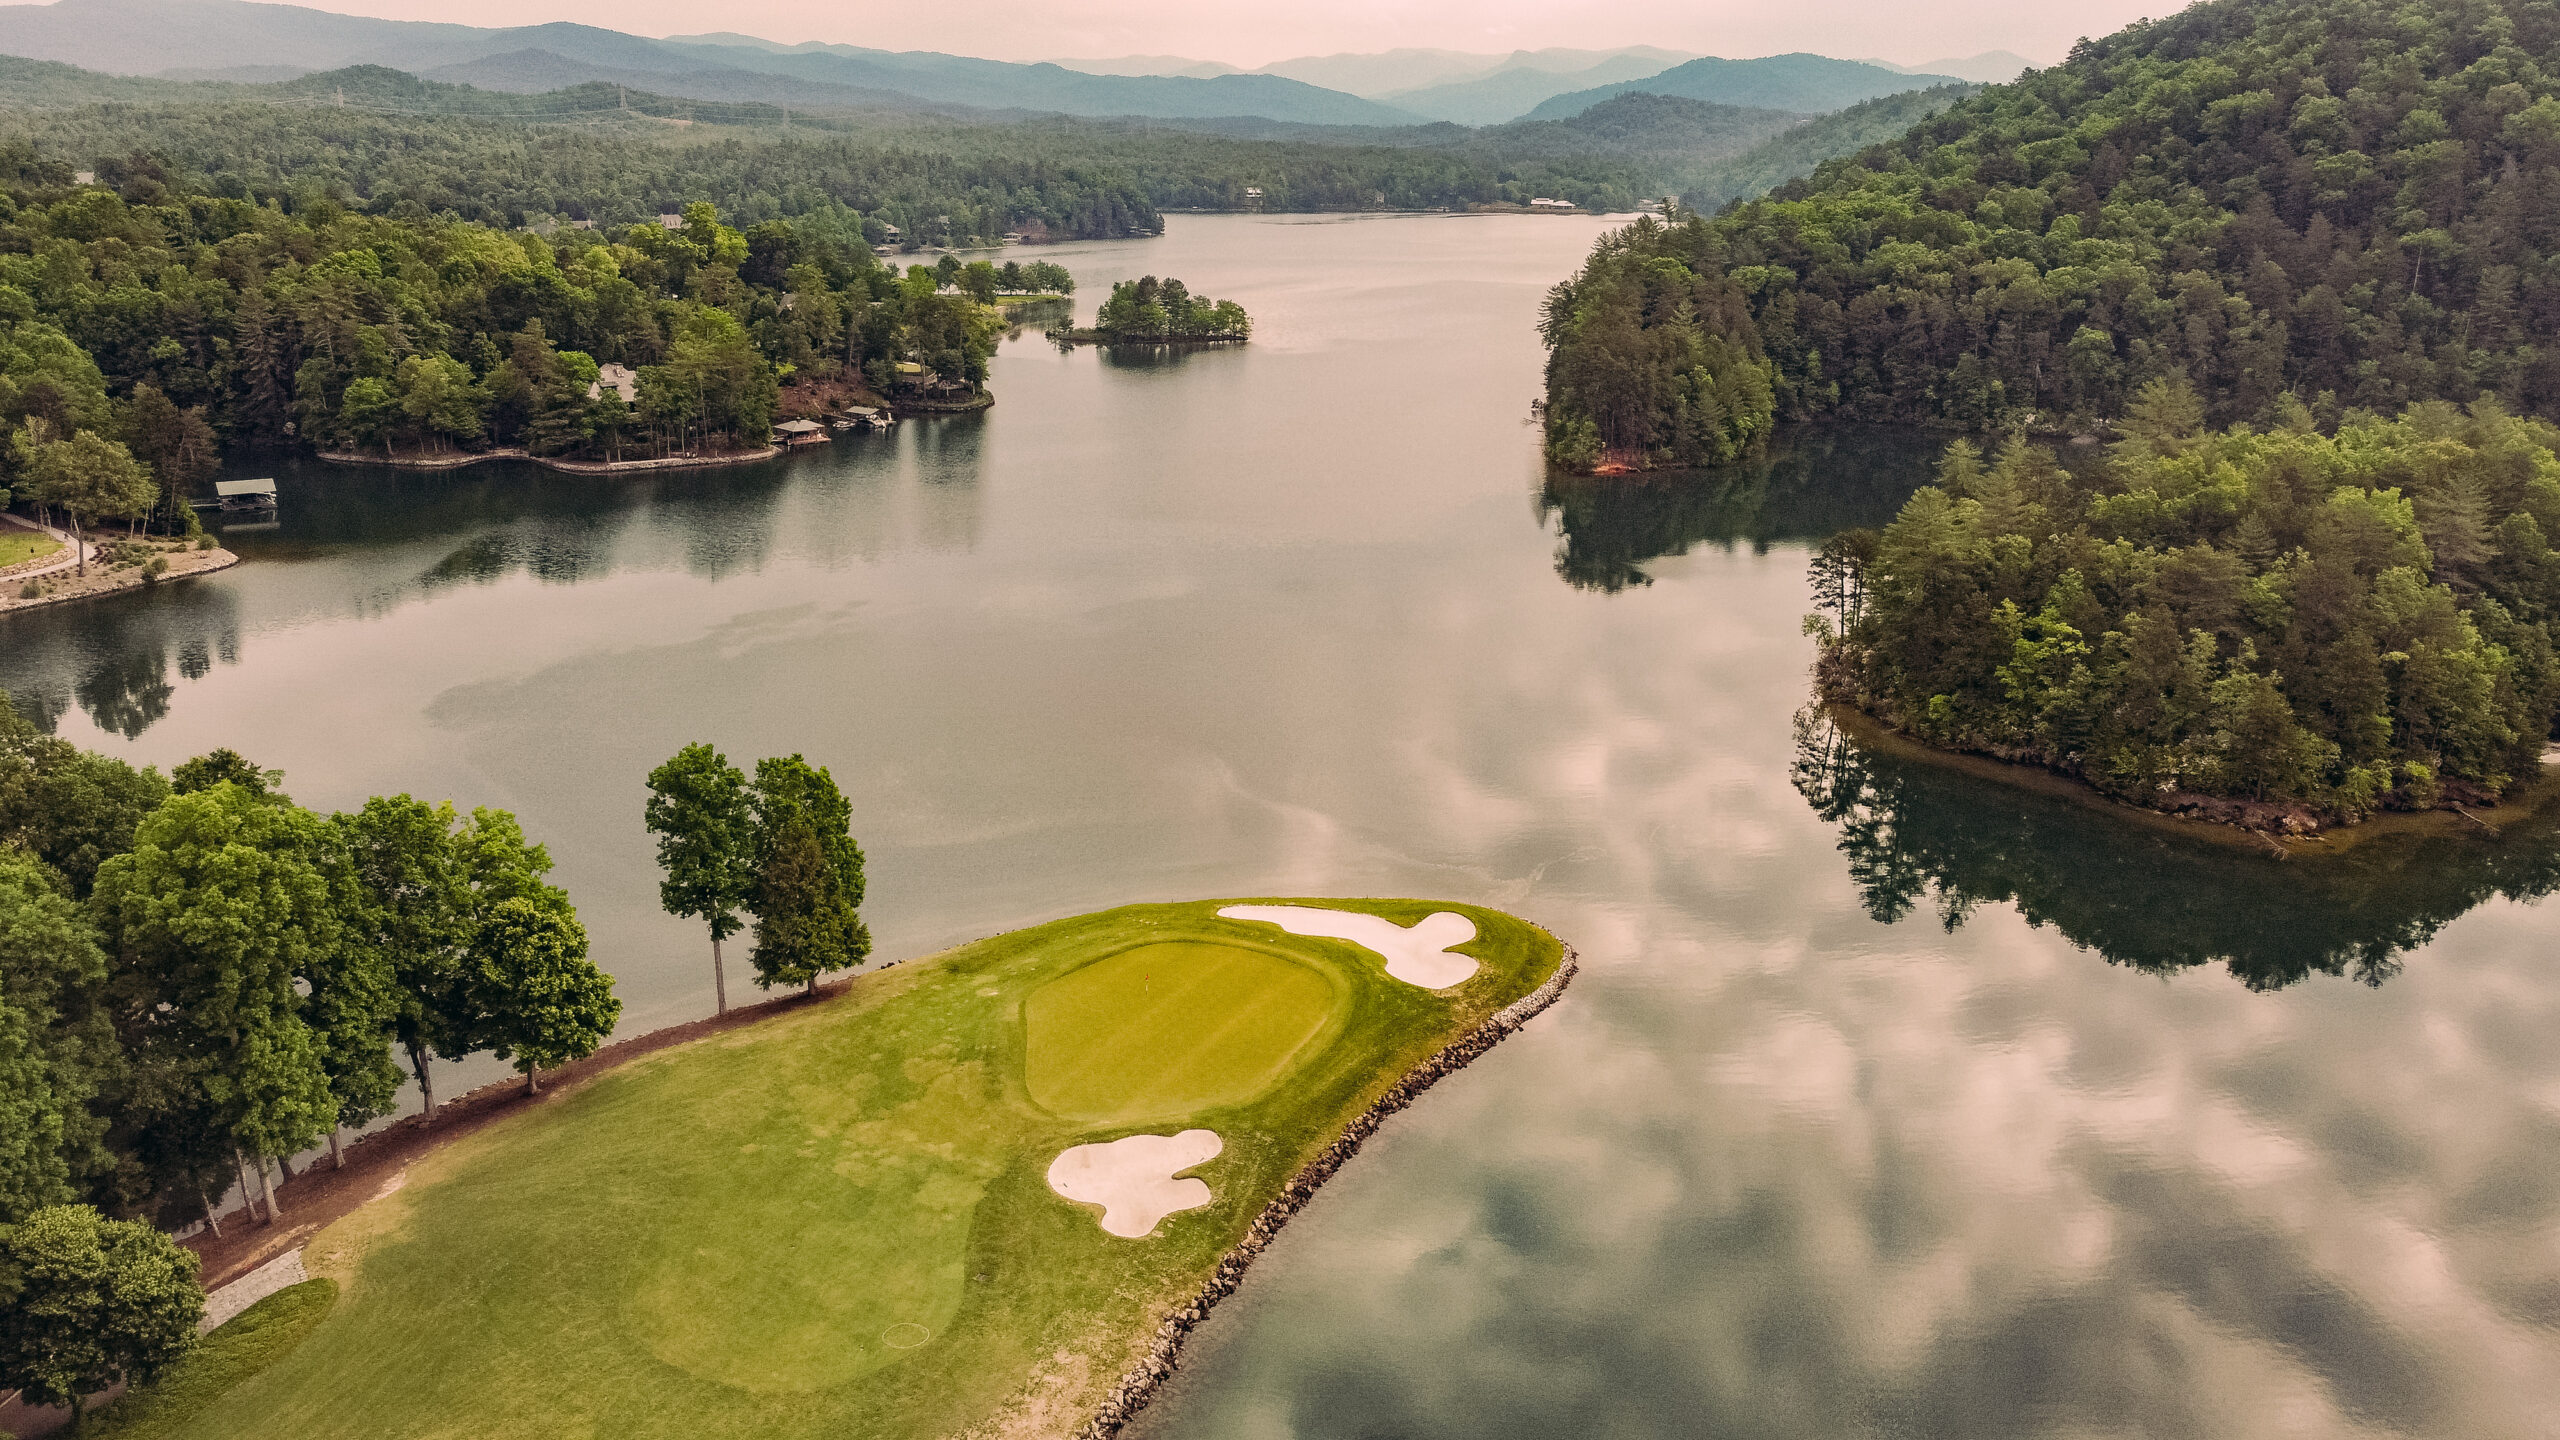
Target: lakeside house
[[622, 380], [1545, 204], [800, 432]]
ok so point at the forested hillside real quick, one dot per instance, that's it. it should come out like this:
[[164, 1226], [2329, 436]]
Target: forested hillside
[[1801, 149], [618, 155], [2353, 203], [148, 318]]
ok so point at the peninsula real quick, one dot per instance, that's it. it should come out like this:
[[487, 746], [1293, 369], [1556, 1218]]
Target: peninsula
[[989, 1190]]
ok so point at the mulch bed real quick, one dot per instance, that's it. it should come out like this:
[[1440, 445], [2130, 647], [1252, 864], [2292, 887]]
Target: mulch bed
[[324, 1193]]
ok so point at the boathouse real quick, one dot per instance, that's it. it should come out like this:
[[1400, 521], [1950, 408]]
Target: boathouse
[[246, 494]]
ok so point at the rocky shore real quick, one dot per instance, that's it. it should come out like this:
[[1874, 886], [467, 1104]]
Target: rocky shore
[[1156, 1366]]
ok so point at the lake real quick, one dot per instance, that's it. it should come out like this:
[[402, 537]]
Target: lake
[[1889, 1103]]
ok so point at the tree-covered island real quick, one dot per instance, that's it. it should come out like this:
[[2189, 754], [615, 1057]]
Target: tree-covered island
[[1149, 311], [2353, 204], [2275, 628]]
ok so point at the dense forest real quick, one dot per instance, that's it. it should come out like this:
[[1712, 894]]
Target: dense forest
[[2351, 203], [1801, 149], [138, 317], [2273, 627]]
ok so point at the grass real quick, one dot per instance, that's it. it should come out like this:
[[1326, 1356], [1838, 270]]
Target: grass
[[1171, 1029], [241, 1347], [835, 1223], [17, 545]]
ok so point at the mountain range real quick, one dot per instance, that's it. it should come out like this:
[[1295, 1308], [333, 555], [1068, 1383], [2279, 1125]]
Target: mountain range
[[218, 38], [249, 42], [1811, 83], [1991, 67]]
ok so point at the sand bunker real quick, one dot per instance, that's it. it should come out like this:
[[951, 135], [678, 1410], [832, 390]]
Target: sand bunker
[[1419, 956], [1132, 1179]]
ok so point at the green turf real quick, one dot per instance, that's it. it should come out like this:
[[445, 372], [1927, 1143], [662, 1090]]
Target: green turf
[[836, 1223], [1172, 1028], [237, 1349], [17, 545]]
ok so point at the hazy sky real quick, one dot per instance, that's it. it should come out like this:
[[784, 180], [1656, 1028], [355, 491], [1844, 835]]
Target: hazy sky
[[1253, 34]]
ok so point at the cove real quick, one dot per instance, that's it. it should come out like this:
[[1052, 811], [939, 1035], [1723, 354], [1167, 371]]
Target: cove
[[1794, 1156]]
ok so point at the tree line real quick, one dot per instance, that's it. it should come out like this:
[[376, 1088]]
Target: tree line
[[200, 979], [1151, 309], [204, 978], [143, 328], [2344, 202], [2260, 624]]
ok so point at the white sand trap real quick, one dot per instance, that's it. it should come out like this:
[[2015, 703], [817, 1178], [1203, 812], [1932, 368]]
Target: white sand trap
[[1419, 956], [1132, 1178]]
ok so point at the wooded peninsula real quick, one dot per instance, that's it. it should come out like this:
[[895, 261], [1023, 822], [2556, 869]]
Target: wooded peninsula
[[2303, 259]]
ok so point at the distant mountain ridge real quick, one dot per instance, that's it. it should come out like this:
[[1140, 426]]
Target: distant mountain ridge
[[141, 37], [1814, 84], [1991, 67], [1514, 90]]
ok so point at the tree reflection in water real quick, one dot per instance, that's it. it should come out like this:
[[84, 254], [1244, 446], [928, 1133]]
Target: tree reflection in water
[[1808, 484], [1914, 831]]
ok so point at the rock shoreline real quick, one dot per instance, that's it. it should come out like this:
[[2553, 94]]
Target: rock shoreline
[[183, 565], [1139, 1385]]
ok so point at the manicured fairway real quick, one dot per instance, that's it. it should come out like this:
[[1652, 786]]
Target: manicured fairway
[[837, 1222]]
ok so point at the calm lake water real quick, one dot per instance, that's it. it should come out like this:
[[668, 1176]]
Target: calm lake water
[[1889, 1103]]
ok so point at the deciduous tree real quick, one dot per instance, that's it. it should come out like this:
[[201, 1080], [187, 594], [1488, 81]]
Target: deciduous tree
[[704, 817], [86, 1302]]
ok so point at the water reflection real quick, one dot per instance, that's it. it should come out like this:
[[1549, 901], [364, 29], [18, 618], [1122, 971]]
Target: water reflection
[[114, 661], [1807, 485], [1917, 833]]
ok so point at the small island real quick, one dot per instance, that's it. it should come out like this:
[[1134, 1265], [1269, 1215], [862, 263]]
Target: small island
[[987, 1192], [1150, 311]]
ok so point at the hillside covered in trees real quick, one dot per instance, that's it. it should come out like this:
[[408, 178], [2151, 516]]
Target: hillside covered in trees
[[2274, 627], [374, 138], [2351, 203], [135, 313]]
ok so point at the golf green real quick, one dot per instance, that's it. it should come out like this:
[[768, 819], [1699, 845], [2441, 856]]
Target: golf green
[[837, 1221], [1171, 1029]]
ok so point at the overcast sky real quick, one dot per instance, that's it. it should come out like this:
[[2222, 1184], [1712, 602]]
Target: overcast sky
[[1251, 34]]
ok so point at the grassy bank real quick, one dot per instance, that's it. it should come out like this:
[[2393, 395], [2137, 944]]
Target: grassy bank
[[837, 1223], [18, 546]]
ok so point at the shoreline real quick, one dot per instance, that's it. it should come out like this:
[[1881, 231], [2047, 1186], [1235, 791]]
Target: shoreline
[[1104, 337], [186, 565], [1140, 1382], [2515, 808], [549, 462], [376, 1164]]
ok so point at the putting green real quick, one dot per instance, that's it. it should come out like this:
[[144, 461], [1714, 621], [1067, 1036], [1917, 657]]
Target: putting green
[[1171, 1029], [837, 1222]]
